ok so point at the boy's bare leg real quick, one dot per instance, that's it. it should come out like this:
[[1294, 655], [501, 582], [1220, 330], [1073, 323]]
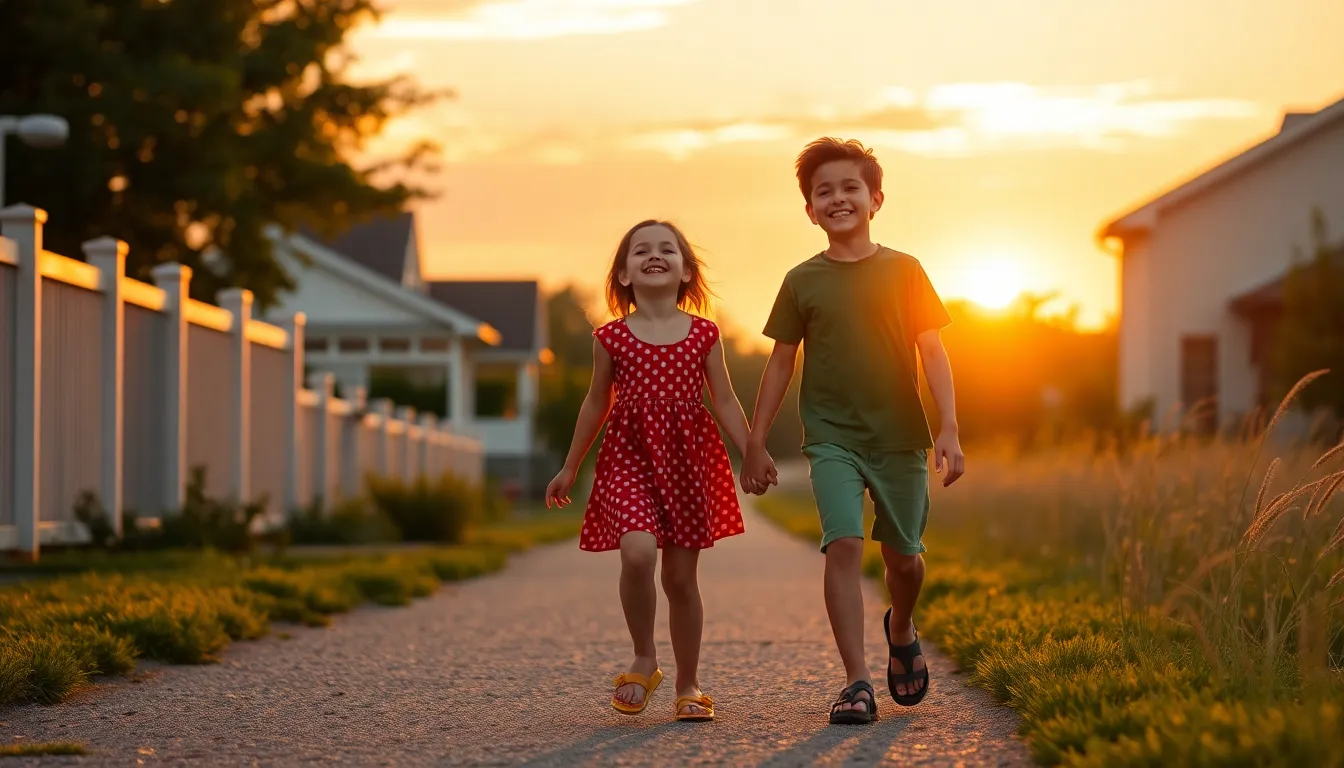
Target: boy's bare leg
[[844, 607], [685, 617], [639, 600], [905, 578]]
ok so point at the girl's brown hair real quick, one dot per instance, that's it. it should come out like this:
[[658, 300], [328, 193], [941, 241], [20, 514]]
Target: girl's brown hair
[[693, 294]]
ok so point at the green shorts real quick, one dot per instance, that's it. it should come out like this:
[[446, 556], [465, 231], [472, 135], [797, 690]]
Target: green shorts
[[897, 481]]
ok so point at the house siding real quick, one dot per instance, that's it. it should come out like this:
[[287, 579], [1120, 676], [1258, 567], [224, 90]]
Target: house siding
[[1214, 246]]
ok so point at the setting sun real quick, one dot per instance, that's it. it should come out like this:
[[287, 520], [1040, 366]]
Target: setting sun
[[992, 283]]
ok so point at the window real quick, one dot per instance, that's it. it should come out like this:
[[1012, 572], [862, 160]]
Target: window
[[1199, 379], [394, 345], [497, 391], [433, 345], [318, 344], [354, 344]]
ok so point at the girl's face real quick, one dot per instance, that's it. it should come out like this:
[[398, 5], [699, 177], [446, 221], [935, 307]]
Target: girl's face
[[654, 260]]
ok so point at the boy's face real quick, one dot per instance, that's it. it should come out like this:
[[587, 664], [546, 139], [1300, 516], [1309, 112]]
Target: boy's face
[[841, 201]]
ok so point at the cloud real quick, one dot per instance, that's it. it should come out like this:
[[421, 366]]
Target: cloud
[[679, 143], [953, 120], [526, 19], [962, 119], [1104, 117]]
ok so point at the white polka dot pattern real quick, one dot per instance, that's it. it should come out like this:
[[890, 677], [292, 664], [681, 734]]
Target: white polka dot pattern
[[662, 467]]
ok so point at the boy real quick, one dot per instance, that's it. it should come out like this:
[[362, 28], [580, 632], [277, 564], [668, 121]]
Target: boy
[[864, 311]]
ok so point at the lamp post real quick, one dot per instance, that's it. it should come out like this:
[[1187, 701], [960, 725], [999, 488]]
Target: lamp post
[[42, 131]]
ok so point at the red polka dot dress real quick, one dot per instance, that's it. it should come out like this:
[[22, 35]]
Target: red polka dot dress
[[662, 467]]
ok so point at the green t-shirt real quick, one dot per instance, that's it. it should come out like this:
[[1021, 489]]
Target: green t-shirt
[[857, 322]]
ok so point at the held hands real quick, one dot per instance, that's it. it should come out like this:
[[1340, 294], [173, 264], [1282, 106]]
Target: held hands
[[948, 459], [758, 471], [559, 487]]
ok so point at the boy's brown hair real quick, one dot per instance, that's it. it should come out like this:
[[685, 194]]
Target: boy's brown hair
[[826, 150], [691, 295]]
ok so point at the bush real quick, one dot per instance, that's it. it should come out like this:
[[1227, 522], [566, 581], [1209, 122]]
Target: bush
[[439, 511], [203, 522], [208, 522], [349, 521]]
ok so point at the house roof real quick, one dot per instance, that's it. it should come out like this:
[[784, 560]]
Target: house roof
[[1269, 296], [511, 306], [1295, 128], [378, 244], [336, 262]]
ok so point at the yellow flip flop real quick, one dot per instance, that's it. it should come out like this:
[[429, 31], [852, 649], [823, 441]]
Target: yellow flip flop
[[649, 684], [704, 702]]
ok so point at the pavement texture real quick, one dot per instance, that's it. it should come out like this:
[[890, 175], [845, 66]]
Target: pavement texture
[[515, 669]]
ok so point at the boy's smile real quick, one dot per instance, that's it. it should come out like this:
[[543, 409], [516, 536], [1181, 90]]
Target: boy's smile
[[841, 202]]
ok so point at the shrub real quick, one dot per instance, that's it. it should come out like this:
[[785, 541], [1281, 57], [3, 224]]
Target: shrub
[[349, 521], [437, 511], [203, 522]]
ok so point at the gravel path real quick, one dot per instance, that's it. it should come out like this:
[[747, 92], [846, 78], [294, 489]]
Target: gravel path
[[514, 669]]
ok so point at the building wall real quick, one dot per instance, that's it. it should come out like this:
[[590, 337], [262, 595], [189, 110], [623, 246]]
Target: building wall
[[1223, 242], [1136, 382]]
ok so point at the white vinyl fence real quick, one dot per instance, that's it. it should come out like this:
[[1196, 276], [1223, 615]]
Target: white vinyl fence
[[118, 387]]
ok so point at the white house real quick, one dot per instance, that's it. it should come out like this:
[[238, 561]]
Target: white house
[[371, 311], [1201, 267]]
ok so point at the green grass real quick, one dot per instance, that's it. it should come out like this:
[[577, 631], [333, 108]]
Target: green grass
[[1096, 685], [48, 748], [101, 614]]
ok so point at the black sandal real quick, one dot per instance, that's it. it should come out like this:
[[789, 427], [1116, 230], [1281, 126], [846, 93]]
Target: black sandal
[[850, 696], [906, 655]]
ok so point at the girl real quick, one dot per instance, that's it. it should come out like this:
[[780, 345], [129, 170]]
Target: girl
[[662, 480]]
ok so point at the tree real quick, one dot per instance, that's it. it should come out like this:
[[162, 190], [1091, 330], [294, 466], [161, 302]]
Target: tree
[[195, 124], [1310, 334], [564, 383]]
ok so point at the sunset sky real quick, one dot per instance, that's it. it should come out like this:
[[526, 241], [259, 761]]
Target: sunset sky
[[1008, 131]]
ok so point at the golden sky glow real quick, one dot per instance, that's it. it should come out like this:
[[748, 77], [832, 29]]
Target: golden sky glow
[[1009, 130]]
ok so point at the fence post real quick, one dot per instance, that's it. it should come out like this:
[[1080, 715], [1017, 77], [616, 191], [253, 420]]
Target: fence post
[[23, 225], [382, 456], [324, 384], [109, 256], [293, 325], [406, 415], [429, 434], [352, 474], [175, 282], [238, 301]]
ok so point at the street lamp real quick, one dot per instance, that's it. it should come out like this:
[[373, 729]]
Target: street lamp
[[41, 131]]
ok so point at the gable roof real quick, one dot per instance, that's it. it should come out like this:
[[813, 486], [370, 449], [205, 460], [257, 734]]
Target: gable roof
[[355, 272], [1295, 128], [511, 306], [378, 244]]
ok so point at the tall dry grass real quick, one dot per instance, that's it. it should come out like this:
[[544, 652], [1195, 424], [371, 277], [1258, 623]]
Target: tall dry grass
[[1239, 538]]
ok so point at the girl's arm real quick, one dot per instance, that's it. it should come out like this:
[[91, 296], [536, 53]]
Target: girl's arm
[[596, 407], [727, 408]]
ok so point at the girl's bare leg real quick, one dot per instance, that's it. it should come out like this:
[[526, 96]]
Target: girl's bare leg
[[686, 615], [639, 599]]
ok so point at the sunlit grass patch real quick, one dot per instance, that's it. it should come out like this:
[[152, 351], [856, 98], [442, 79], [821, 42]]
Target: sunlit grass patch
[[21, 749], [58, 633]]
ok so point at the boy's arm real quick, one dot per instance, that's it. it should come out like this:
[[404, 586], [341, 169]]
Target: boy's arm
[[948, 458], [774, 384]]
